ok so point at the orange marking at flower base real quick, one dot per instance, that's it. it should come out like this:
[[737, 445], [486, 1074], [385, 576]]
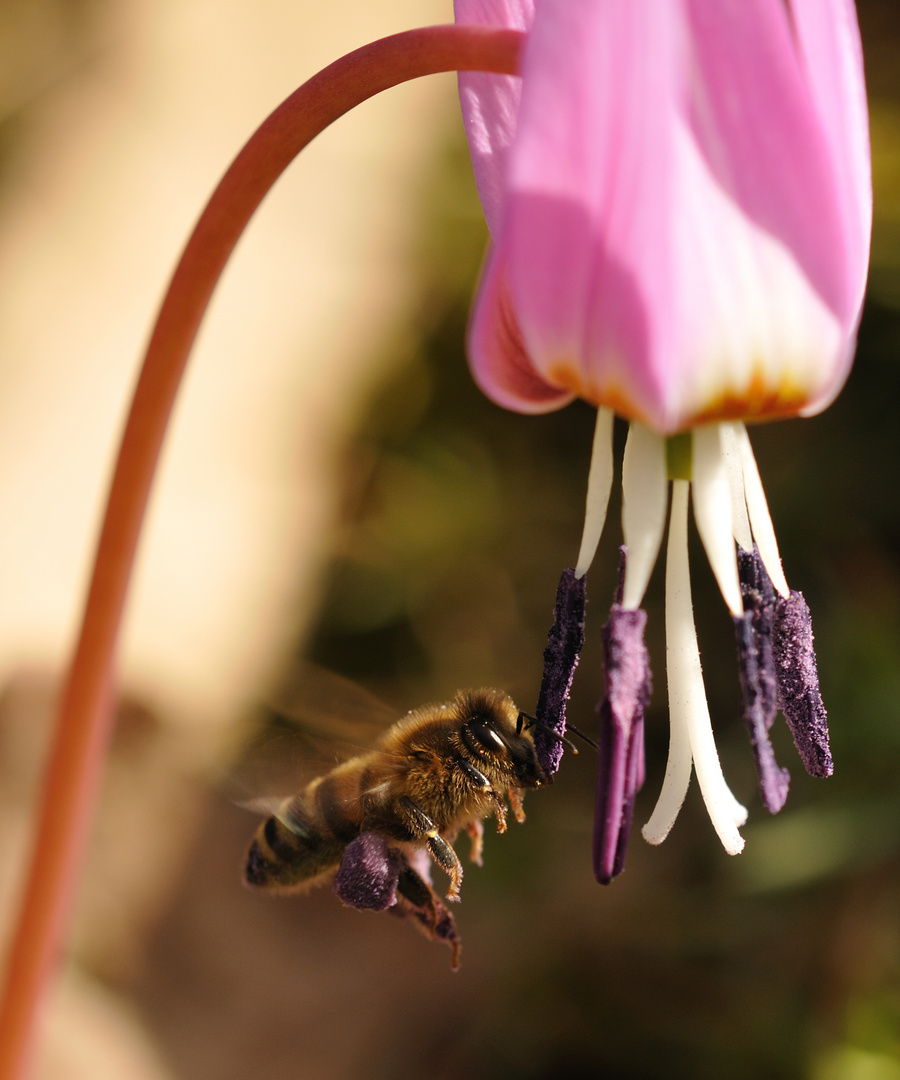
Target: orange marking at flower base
[[760, 400], [569, 376]]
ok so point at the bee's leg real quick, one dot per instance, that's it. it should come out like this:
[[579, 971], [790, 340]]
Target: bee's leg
[[442, 853], [476, 833], [416, 899], [475, 776], [479, 780], [515, 801], [500, 811], [446, 858]]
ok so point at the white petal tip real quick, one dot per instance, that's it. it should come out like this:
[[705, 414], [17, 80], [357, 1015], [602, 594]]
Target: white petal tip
[[727, 816], [599, 485], [655, 836], [728, 833]]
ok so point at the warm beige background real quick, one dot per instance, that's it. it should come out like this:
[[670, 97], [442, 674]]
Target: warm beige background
[[121, 133], [120, 156]]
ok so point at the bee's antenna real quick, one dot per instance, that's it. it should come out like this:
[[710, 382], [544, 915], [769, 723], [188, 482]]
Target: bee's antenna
[[581, 735], [552, 732]]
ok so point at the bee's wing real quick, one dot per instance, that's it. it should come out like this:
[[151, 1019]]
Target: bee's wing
[[321, 703], [317, 721]]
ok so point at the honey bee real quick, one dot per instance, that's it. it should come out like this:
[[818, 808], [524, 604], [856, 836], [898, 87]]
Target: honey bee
[[372, 822]]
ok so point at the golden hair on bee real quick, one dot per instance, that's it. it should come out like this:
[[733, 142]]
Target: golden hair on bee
[[372, 824]]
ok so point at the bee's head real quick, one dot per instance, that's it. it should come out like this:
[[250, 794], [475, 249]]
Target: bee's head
[[492, 729]]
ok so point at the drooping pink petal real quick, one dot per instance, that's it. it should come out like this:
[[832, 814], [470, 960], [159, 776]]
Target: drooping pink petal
[[828, 42], [763, 139], [793, 159], [677, 241], [829, 47], [581, 200], [490, 103], [500, 364]]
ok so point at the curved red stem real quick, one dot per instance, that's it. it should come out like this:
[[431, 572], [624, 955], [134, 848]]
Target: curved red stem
[[85, 714]]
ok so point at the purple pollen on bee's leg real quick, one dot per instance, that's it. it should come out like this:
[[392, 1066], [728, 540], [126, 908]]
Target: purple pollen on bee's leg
[[368, 875], [564, 643], [753, 631], [621, 749], [797, 679]]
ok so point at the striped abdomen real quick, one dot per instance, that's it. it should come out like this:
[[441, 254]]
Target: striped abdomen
[[308, 833]]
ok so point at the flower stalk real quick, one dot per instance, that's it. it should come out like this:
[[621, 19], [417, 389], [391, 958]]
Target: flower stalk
[[86, 709]]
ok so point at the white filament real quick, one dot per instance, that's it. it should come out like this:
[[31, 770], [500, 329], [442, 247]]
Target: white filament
[[643, 509], [599, 485], [740, 522], [712, 513], [691, 736], [758, 509]]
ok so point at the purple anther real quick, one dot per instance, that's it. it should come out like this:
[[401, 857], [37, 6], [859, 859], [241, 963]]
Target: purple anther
[[561, 655], [758, 594], [621, 746], [797, 678], [773, 780], [753, 630], [368, 875]]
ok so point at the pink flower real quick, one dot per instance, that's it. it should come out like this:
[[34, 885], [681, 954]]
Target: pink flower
[[680, 207], [679, 199]]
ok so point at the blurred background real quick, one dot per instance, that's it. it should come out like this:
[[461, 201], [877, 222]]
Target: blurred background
[[336, 491]]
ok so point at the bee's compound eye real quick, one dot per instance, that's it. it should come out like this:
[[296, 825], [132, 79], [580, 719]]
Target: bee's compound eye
[[485, 734]]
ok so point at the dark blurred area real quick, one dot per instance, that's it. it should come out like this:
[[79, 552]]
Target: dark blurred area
[[457, 519]]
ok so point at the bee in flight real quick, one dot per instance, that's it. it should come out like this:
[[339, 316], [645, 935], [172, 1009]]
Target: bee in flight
[[373, 824]]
